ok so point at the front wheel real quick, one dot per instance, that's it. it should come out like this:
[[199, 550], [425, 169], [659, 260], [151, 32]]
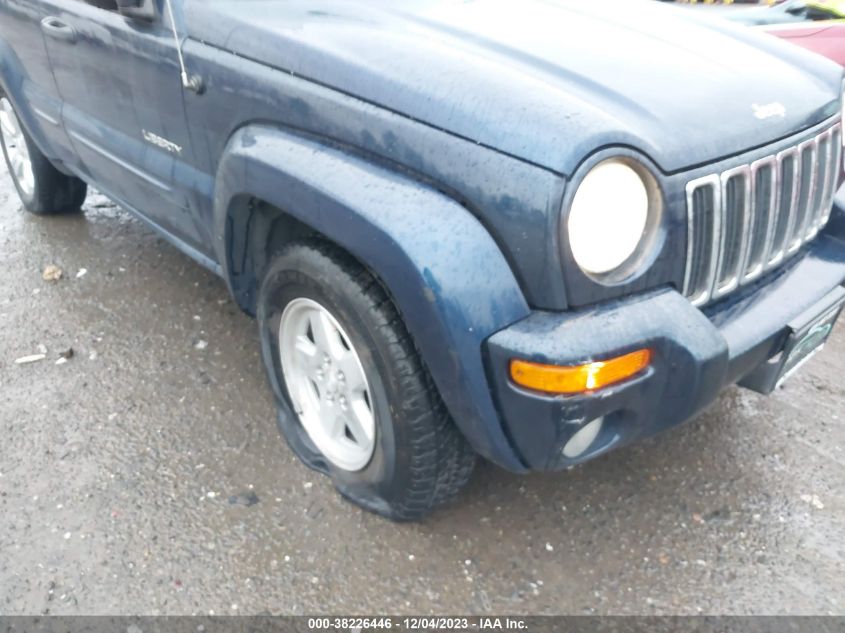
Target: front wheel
[[42, 188], [354, 400]]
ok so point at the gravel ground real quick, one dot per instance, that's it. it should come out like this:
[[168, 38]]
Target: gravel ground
[[145, 475]]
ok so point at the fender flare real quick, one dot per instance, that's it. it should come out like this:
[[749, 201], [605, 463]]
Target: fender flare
[[450, 281]]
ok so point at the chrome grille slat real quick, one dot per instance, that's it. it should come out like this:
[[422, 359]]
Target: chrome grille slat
[[806, 193], [816, 188], [789, 172], [748, 219], [735, 213], [822, 158], [765, 192], [703, 237], [834, 169]]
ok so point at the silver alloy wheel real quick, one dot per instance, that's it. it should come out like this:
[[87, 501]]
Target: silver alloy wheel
[[327, 384], [17, 150]]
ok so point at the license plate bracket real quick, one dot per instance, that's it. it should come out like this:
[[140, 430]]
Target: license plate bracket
[[807, 336]]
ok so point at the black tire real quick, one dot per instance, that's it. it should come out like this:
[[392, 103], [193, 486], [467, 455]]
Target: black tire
[[421, 460], [53, 193]]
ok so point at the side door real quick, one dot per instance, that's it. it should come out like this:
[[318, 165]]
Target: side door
[[120, 82], [26, 76]]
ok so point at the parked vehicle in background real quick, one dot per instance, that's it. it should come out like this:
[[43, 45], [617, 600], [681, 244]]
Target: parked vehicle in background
[[788, 12], [824, 38], [464, 227]]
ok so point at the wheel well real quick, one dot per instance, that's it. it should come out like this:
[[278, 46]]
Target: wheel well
[[256, 231]]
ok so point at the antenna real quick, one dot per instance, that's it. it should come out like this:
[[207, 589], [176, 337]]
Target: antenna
[[194, 82]]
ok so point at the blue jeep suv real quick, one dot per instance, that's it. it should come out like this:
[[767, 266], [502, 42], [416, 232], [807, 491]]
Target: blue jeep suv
[[532, 231]]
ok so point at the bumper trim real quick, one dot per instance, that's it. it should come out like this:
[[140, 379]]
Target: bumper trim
[[689, 365], [768, 375], [695, 355]]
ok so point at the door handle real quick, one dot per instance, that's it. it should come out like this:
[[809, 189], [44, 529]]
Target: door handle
[[57, 29]]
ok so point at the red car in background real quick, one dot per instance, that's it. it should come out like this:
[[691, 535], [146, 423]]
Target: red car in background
[[817, 25], [824, 38]]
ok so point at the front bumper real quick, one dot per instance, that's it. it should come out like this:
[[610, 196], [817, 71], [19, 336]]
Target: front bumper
[[696, 354]]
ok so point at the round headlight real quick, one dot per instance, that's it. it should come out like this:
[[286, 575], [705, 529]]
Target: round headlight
[[611, 214]]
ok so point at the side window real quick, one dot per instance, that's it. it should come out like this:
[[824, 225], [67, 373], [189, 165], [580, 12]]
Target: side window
[[818, 13], [108, 5]]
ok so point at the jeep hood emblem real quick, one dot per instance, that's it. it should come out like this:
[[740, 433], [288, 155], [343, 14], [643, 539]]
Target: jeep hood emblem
[[768, 110]]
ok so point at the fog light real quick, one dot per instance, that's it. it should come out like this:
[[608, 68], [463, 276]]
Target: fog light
[[583, 439], [558, 379]]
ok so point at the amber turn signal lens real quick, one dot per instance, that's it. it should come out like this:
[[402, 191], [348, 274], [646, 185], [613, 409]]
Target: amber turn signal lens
[[580, 378]]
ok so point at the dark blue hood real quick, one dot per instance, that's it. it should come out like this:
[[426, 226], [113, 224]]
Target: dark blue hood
[[548, 82]]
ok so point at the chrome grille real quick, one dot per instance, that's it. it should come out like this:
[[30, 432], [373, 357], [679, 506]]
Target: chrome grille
[[748, 219]]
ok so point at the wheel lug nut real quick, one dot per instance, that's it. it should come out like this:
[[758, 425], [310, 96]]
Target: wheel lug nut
[[340, 377]]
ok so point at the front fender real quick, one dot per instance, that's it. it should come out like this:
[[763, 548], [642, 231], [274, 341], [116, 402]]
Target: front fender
[[446, 274], [13, 85]]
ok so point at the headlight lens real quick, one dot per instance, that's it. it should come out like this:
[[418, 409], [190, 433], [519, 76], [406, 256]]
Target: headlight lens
[[611, 215]]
